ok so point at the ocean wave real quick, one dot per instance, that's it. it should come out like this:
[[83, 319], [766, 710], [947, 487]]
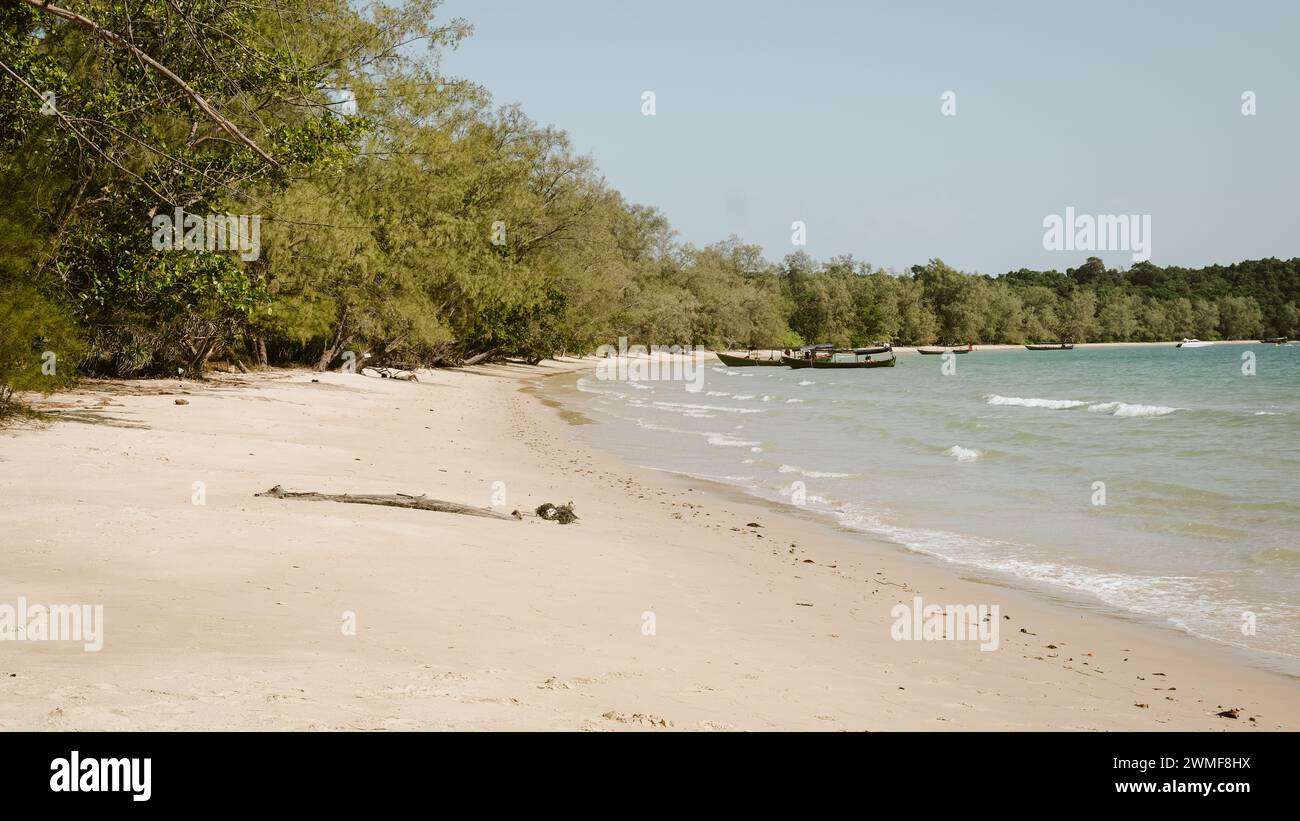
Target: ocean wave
[[1123, 409], [792, 401], [818, 474], [806, 382], [1049, 404], [723, 440], [1198, 606], [680, 407], [962, 454], [1127, 410]]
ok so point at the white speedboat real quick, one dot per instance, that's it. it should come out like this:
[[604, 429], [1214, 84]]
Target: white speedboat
[[1194, 343]]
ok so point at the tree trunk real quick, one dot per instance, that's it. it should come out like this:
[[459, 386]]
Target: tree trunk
[[479, 357], [336, 346]]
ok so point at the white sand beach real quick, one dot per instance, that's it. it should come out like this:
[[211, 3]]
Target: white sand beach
[[233, 613]]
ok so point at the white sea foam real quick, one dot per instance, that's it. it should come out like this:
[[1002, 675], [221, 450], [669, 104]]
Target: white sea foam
[[962, 454], [682, 407], [807, 382], [1049, 404], [817, 474], [1195, 605], [723, 440], [1125, 409]]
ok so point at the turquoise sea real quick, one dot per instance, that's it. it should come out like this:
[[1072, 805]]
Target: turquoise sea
[[1155, 481]]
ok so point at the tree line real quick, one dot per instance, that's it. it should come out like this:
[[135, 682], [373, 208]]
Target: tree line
[[405, 216]]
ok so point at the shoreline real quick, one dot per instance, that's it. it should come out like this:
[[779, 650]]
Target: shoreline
[[1269, 661], [227, 615], [1077, 345], [1161, 629]]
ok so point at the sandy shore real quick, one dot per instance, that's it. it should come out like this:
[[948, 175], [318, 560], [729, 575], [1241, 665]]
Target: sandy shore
[[234, 613]]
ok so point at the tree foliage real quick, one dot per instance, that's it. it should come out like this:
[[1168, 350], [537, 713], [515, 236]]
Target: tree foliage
[[406, 216]]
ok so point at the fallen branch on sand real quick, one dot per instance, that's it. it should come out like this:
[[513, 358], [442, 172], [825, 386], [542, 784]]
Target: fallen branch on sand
[[420, 502], [391, 373], [551, 513]]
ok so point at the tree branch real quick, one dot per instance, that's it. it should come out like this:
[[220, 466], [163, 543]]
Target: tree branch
[[118, 40]]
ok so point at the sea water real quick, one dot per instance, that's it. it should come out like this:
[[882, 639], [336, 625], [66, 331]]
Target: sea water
[[1149, 480]]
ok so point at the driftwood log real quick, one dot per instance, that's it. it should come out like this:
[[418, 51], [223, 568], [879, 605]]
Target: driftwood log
[[547, 512], [391, 373], [390, 500]]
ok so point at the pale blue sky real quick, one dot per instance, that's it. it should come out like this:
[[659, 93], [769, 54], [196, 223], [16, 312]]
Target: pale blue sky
[[829, 112]]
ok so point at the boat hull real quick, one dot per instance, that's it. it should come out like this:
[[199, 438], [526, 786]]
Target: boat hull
[[735, 361], [745, 361], [1062, 347], [866, 363]]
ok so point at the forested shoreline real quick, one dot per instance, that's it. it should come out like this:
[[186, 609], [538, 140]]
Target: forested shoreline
[[405, 216]]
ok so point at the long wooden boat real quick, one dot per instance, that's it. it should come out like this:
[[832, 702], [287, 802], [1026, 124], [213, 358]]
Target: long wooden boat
[[829, 361], [745, 361], [1059, 346], [942, 351], [1274, 340], [865, 363]]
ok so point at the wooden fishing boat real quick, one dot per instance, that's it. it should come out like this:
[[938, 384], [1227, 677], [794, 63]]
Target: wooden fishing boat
[[864, 363], [796, 362], [942, 351], [1056, 346], [731, 360], [823, 356], [1274, 340]]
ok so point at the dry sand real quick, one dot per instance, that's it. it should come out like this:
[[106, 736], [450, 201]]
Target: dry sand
[[231, 614]]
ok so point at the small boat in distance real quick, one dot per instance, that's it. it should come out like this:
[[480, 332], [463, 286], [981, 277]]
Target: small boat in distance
[[1194, 343], [941, 351], [1052, 346], [1274, 340], [748, 360]]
